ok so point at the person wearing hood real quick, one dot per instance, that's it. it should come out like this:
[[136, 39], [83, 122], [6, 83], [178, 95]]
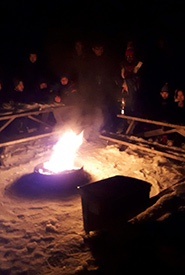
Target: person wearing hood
[[17, 93], [32, 70], [43, 91], [164, 108], [65, 91], [179, 110], [130, 68]]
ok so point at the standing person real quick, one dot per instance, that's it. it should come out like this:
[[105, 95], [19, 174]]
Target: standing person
[[164, 107], [77, 62], [98, 73], [32, 70], [100, 94], [130, 68]]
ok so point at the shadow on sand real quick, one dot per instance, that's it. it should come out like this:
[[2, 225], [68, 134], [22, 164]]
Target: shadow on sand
[[37, 186]]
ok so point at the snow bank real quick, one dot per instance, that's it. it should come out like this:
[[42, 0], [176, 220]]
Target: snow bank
[[44, 235]]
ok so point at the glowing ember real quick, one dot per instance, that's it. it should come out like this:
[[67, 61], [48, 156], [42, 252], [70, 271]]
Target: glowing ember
[[64, 153]]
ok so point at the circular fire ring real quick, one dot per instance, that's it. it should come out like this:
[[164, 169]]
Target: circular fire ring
[[40, 170]]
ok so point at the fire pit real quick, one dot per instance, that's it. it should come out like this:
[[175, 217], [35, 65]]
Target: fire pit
[[62, 161], [63, 180], [62, 170], [44, 172], [59, 176], [39, 169]]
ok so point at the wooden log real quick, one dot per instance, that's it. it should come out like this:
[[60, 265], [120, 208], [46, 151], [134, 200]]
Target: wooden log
[[152, 122], [12, 117], [136, 146], [12, 142], [181, 132], [130, 127], [6, 124], [150, 143], [17, 115], [158, 132], [40, 121]]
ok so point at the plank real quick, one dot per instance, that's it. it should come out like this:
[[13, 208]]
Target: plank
[[158, 132], [143, 148], [152, 122], [12, 142], [40, 121], [22, 114], [6, 124]]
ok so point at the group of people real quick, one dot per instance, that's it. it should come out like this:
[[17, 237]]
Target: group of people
[[170, 105], [166, 103], [33, 83], [86, 80], [93, 79]]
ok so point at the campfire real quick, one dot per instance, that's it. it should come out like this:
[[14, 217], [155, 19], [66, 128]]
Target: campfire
[[63, 158]]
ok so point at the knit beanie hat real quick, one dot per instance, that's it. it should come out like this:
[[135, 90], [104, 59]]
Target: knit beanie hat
[[129, 52], [165, 88]]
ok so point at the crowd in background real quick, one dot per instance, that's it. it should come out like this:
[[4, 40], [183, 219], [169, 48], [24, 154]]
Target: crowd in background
[[92, 75]]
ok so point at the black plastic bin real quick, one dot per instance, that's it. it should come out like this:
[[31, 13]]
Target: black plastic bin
[[112, 199]]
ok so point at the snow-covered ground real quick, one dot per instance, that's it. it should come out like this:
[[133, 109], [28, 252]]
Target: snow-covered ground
[[41, 231]]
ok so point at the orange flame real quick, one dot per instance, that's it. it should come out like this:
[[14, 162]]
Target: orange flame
[[64, 153]]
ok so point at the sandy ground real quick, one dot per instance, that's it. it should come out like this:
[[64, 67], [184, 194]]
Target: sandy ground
[[41, 226]]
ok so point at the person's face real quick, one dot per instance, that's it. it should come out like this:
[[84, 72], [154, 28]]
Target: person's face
[[180, 96], [130, 58], [98, 50], [43, 85], [64, 80], [33, 57], [20, 86], [164, 95]]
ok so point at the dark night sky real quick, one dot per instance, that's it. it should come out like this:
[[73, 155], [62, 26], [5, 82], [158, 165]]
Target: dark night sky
[[23, 23]]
